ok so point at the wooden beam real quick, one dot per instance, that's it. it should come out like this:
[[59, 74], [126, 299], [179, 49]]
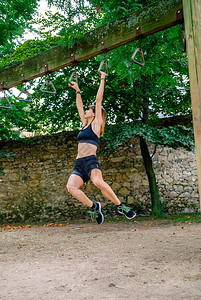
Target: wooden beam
[[153, 18], [192, 18]]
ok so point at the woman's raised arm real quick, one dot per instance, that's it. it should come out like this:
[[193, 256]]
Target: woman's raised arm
[[99, 98], [79, 102]]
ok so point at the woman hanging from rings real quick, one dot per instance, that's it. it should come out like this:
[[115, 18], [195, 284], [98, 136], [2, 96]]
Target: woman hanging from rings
[[86, 165]]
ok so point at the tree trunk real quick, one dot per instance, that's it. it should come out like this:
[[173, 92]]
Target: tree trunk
[[153, 188]]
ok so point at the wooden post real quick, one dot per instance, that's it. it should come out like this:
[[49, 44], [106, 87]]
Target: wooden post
[[192, 19]]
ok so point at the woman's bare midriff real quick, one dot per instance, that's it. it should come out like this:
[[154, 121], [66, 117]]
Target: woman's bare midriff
[[86, 149]]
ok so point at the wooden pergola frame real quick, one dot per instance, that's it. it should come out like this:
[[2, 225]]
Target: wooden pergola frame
[[153, 18]]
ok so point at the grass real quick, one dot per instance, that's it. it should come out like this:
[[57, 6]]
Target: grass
[[165, 219]]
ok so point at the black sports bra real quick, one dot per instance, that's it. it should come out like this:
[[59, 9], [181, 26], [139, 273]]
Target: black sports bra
[[87, 135]]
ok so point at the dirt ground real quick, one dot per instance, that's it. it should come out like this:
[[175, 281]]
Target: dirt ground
[[125, 260]]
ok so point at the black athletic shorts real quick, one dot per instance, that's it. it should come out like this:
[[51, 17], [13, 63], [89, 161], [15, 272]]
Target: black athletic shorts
[[83, 166]]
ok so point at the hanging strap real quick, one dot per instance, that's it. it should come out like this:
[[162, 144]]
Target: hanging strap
[[183, 36], [73, 74], [138, 50], [103, 63]]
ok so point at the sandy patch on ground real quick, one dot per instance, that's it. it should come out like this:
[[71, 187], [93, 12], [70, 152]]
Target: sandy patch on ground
[[127, 260]]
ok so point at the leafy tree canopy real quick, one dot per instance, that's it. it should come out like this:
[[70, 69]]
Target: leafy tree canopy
[[133, 94], [172, 136], [14, 18]]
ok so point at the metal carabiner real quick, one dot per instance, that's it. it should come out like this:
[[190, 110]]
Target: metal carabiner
[[103, 62], [73, 75], [6, 99], [138, 50]]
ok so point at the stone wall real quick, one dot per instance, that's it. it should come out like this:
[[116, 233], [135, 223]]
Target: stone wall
[[34, 185]]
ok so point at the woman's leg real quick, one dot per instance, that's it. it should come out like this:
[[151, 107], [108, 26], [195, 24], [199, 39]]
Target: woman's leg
[[97, 179], [73, 186]]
